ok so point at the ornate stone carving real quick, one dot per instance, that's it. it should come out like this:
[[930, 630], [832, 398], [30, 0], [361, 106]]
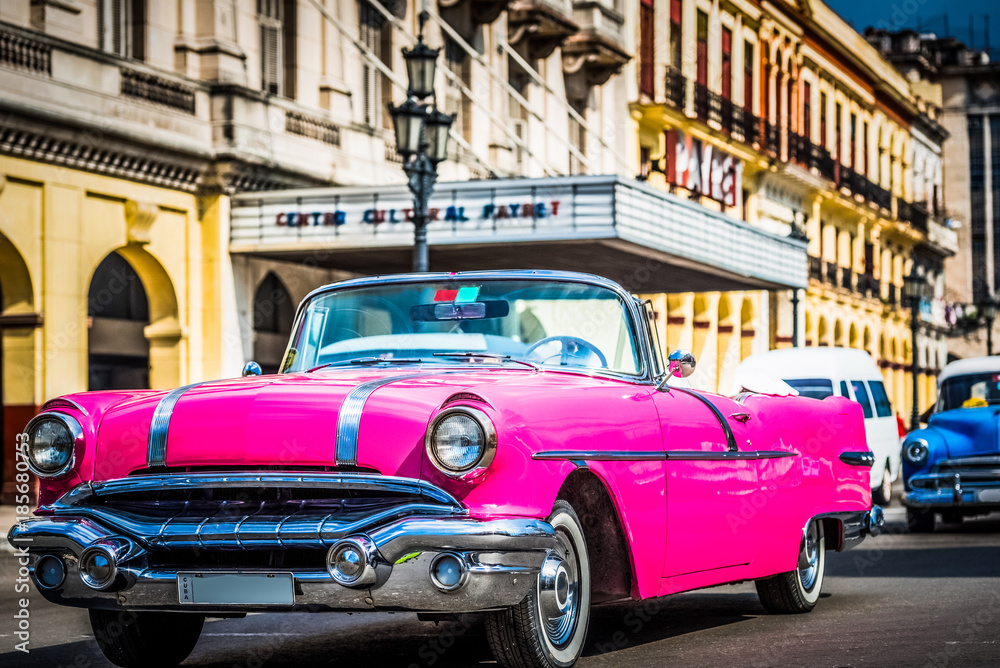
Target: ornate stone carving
[[139, 218]]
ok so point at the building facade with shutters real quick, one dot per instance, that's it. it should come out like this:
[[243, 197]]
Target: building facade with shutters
[[780, 114], [966, 85]]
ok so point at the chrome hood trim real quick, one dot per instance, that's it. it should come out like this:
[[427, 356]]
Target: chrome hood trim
[[349, 418], [156, 448]]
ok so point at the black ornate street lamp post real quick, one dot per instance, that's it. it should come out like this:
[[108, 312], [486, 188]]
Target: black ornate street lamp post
[[421, 137], [989, 311], [913, 290]]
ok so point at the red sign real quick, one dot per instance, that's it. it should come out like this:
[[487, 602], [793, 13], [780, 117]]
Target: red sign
[[703, 169]]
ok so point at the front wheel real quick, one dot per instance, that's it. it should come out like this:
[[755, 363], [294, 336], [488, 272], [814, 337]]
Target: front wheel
[[145, 639], [797, 591], [548, 627]]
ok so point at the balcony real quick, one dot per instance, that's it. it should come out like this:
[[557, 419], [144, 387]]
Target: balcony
[[481, 11], [707, 104], [799, 149], [867, 285], [815, 268], [913, 213], [772, 139], [539, 27], [832, 273], [846, 278], [597, 52], [675, 88], [881, 197]]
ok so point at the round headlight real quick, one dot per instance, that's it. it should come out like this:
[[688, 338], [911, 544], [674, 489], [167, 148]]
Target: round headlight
[[50, 440], [916, 452], [461, 441]]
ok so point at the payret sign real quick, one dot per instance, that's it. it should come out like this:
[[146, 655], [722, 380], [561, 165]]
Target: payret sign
[[703, 169]]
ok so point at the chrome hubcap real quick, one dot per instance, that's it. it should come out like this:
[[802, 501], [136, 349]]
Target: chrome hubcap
[[558, 594], [810, 571]]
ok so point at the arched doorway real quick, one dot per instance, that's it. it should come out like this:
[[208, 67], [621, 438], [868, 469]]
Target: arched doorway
[[822, 333], [838, 334], [273, 312], [117, 315], [853, 339], [18, 321]]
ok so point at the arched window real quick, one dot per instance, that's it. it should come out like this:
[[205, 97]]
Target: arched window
[[118, 312], [273, 311]]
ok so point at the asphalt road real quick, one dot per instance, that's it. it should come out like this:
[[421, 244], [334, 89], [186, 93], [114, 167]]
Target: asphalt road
[[900, 600]]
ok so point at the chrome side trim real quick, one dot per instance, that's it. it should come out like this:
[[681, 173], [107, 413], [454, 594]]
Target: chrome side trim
[[349, 418], [644, 456], [156, 448], [724, 456], [866, 458]]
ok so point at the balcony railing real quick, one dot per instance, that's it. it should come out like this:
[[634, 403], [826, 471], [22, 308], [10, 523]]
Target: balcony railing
[[846, 278], [831, 273], [815, 268], [772, 138], [867, 285], [22, 52], [880, 196], [912, 213], [676, 84]]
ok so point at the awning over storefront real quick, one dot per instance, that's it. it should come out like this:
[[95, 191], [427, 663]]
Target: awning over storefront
[[647, 240]]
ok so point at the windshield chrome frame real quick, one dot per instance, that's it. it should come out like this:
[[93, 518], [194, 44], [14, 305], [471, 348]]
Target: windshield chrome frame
[[633, 312]]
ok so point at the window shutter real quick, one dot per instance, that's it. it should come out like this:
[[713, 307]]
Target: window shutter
[[113, 26], [269, 17]]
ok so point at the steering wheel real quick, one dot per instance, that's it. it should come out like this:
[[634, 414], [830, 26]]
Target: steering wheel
[[570, 347]]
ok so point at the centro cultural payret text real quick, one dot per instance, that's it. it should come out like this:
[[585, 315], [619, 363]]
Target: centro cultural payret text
[[451, 213]]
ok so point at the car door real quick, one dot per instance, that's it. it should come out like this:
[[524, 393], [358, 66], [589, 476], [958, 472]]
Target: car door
[[711, 477]]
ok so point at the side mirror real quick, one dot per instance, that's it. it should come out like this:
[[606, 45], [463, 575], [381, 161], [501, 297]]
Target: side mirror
[[681, 363], [251, 368]]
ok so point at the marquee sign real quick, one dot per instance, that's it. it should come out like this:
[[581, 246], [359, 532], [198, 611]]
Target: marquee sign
[[703, 169], [457, 214]]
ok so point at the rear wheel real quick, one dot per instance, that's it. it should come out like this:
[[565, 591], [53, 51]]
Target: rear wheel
[[145, 639], [547, 628], [919, 520], [882, 495], [797, 591]]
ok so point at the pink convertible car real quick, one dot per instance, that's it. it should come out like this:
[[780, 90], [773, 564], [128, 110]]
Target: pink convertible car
[[504, 443]]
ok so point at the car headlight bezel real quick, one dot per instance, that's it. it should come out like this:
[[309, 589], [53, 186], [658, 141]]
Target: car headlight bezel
[[917, 452], [73, 427], [489, 439]]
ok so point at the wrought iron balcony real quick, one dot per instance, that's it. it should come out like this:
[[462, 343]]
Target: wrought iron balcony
[[815, 268], [868, 285], [881, 197], [846, 278], [772, 138], [831, 273], [676, 87], [912, 213], [891, 295]]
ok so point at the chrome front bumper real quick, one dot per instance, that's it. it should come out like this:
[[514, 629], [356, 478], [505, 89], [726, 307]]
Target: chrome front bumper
[[414, 524], [978, 490]]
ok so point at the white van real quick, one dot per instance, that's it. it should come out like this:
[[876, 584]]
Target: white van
[[845, 372]]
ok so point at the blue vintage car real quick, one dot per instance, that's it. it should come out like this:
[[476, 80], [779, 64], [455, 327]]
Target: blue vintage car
[[952, 467]]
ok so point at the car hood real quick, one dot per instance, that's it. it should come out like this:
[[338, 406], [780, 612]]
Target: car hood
[[292, 420], [968, 431]]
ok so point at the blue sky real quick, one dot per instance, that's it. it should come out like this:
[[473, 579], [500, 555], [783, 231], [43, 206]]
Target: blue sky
[[929, 15]]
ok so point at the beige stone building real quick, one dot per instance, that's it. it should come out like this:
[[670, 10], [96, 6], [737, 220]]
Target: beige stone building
[[831, 144], [966, 86]]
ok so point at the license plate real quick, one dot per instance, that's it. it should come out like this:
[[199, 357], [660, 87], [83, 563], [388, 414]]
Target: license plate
[[236, 588], [989, 496]]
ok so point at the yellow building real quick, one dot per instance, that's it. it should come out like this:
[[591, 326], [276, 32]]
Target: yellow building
[[826, 143]]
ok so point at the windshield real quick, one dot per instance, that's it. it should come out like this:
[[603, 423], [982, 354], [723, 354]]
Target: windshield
[[546, 323], [817, 388], [971, 391]]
